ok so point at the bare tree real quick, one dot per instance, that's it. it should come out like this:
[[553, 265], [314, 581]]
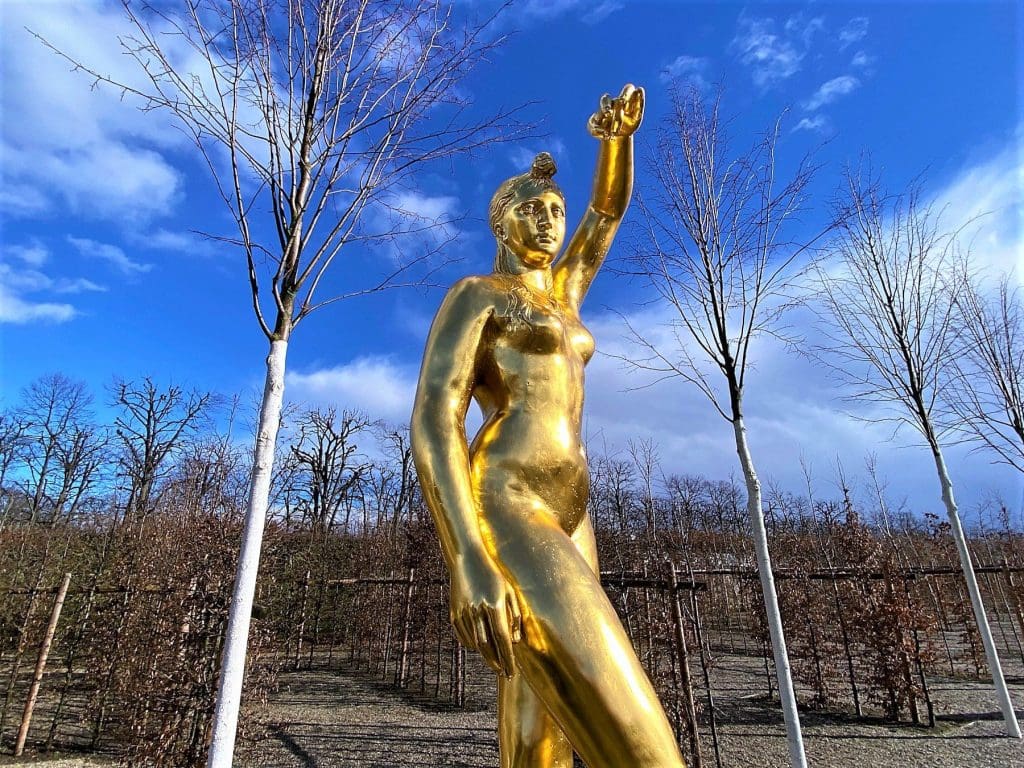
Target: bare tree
[[891, 337], [12, 448], [396, 487], [153, 422], [62, 447], [318, 111], [986, 394], [328, 465], [713, 250]]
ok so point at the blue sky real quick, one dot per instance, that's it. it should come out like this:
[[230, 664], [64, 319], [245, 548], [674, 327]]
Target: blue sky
[[101, 276]]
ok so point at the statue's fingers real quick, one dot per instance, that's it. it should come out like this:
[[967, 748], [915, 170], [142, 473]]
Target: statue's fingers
[[635, 104], [464, 629], [515, 617], [627, 93], [485, 644], [606, 103], [500, 640], [598, 125]]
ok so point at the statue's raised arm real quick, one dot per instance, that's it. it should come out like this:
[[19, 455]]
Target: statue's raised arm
[[614, 124]]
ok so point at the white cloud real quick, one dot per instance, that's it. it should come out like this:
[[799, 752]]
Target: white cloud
[[15, 310], [831, 90], [861, 60], [771, 57], [24, 280], [592, 12], [77, 285], [603, 9], [377, 386], [803, 27], [411, 226], [793, 412], [424, 208], [17, 199], [85, 147], [33, 255], [988, 197], [854, 31], [110, 254], [688, 69], [816, 123]]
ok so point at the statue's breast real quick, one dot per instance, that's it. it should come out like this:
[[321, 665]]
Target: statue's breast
[[533, 326], [530, 329]]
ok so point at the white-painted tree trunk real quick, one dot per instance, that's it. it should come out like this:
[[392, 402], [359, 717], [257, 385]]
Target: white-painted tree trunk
[[787, 697], [998, 681], [229, 694]]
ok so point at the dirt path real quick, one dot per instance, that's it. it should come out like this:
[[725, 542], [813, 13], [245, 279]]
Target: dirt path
[[325, 719]]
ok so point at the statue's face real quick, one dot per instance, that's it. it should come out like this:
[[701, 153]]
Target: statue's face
[[533, 227]]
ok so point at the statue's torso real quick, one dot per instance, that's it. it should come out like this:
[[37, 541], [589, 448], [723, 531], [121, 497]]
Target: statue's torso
[[530, 388]]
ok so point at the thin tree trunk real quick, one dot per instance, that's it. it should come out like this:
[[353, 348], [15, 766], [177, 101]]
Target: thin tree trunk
[[684, 670], [403, 658], [1014, 603], [771, 601], [995, 668], [37, 678], [229, 694]]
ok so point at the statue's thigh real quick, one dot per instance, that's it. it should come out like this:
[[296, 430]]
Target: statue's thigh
[[528, 735], [574, 652]]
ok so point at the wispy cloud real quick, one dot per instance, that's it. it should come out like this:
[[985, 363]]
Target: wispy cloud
[[603, 10], [853, 31], [592, 12], [803, 27], [32, 255], [770, 56], [77, 285], [793, 411], [830, 91], [861, 60], [70, 144], [21, 278], [110, 254], [987, 199], [818, 123], [16, 310], [687, 69]]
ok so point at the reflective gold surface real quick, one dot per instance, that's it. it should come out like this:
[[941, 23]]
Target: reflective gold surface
[[510, 509]]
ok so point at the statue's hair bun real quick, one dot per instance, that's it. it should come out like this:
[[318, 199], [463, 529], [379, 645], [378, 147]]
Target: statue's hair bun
[[543, 166]]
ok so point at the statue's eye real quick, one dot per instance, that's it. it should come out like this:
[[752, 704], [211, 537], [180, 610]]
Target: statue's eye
[[557, 210]]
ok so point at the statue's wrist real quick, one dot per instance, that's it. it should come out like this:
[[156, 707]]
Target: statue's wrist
[[472, 561]]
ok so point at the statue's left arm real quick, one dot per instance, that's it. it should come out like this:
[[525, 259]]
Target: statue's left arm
[[613, 124]]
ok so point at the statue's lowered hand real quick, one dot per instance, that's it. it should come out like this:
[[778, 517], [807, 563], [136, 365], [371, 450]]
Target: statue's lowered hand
[[485, 612]]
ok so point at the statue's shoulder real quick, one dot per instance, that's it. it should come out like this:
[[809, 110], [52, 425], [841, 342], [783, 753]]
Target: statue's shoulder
[[479, 290]]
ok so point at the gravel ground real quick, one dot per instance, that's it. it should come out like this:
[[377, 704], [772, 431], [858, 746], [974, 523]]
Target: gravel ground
[[325, 719]]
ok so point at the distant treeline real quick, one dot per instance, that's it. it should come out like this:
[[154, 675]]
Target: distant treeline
[[145, 514]]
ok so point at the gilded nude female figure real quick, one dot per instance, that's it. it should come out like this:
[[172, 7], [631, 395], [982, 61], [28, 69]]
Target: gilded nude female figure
[[511, 508]]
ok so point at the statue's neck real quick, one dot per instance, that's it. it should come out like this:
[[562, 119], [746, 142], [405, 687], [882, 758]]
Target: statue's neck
[[538, 279]]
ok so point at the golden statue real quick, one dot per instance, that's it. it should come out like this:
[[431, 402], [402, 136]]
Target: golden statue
[[511, 509]]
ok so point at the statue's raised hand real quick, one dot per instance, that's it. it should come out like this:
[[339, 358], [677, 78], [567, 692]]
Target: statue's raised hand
[[619, 117]]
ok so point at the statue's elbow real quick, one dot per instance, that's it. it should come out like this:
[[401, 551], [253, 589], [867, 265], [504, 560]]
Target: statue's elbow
[[425, 430]]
